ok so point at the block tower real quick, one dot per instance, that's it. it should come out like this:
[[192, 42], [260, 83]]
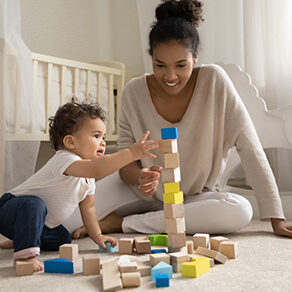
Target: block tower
[[172, 197]]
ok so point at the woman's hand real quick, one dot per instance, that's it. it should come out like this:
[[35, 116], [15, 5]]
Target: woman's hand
[[281, 227], [148, 181]]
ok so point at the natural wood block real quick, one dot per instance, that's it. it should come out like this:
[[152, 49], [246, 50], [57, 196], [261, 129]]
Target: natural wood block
[[159, 257], [144, 268], [201, 239], [216, 255], [175, 225], [142, 244], [131, 279], [111, 279], [173, 198], [170, 175], [179, 257], [190, 246], [68, 251], [216, 240], [91, 265], [176, 240], [174, 210], [229, 248], [128, 267], [167, 146], [171, 160], [24, 268], [126, 245], [171, 187]]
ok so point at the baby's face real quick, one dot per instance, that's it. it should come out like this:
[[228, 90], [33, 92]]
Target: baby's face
[[89, 139]]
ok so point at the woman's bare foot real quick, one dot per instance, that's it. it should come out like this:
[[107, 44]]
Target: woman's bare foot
[[111, 223], [37, 265], [6, 244], [79, 233]]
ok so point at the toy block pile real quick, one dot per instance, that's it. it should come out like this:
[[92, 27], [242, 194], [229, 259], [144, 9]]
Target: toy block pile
[[172, 197]]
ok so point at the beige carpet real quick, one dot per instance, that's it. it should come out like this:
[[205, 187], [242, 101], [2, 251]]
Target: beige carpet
[[264, 264]]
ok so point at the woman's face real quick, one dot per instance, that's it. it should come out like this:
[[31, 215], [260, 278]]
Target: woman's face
[[173, 65]]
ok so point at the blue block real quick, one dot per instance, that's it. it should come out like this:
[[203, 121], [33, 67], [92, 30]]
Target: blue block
[[158, 250], [169, 133], [59, 266], [161, 268], [109, 248], [162, 280]]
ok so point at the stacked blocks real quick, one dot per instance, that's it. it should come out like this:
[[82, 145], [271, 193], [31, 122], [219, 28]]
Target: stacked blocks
[[172, 197]]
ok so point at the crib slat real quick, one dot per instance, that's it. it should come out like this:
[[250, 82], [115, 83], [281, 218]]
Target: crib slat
[[35, 96], [99, 89], [88, 87], [63, 85], [17, 103], [76, 83], [49, 96], [111, 105]]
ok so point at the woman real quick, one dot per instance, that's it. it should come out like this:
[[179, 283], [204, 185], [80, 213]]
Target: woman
[[211, 118]]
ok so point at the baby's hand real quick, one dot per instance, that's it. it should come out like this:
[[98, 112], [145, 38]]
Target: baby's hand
[[141, 148], [101, 239]]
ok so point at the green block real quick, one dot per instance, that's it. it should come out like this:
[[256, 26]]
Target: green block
[[158, 239]]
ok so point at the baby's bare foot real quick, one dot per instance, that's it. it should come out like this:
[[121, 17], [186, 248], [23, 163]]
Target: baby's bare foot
[[79, 233], [111, 223], [6, 244], [37, 265]]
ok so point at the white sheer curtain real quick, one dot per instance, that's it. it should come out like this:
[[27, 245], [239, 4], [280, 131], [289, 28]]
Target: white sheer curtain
[[16, 78]]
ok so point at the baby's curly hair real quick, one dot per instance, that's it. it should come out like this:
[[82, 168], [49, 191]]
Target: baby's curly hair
[[69, 118]]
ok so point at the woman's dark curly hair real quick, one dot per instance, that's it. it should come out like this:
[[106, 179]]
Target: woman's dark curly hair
[[177, 20], [69, 118]]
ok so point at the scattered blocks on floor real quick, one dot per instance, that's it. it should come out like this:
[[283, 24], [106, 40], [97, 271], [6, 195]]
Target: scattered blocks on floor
[[132, 279], [159, 257], [142, 244], [159, 239], [24, 268], [59, 266], [68, 251], [196, 268], [109, 248], [216, 240], [201, 239], [158, 250], [162, 280], [161, 268], [216, 255], [91, 265], [169, 133], [229, 248], [128, 267], [144, 268], [126, 245], [111, 279]]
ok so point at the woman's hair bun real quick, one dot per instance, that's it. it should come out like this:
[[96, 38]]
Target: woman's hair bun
[[190, 10]]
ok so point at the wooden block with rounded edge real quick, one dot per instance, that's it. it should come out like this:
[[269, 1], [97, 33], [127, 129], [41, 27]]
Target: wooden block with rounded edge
[[171, 187], [68, 251], [176, 240], [130, 267], [229, 248], [126, 245], [216, 240], [131, 279], [174, 210], [173, 198], [24, 268], [167, 146], [171, 160], [175, 225], [159, 257], [216, 255], [170, 175], [91, 265], [201, 239]]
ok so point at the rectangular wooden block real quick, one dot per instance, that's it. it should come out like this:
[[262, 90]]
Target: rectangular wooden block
[[174, 210], [144, 268], [91, 265], [179, 257], [229, 248], [159, 257], [111, 279], [201, 239], [167, 146], [68, 251], [142, 244], [176, 240], [171, 160], [131, 279], [175, 225], [128, 267], [170, 175], [24, 268], [216, 255], [190, 246], [216, 240], [173, 198], [172, 187], [126, 245]]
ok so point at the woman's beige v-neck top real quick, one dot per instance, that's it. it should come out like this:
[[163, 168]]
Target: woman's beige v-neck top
[[215, 121]]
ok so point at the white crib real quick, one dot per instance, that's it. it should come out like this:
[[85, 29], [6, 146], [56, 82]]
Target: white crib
[[55, 82]]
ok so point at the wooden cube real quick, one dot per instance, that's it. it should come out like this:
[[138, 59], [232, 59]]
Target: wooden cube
[[159, 257], [128, 267], [91, 265], [126, 245], [68, 251], [144, 268], [142, 245], [171, 160], [201, 239], [173, 198], [229, 248], [174, 210], [216, 240], [167, 146], [171, 187], [175, 225], [24, 268], [170, 175], [176, 240]]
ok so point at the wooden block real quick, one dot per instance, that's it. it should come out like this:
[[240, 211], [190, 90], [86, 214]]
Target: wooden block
[[169, 133], [142, 245], [59, 266], [174, 249], [131, 279], [229, 248], [167, 146], [159, 257], [126, 245], [170, 175], [159, 239], [196, 268], [68, 251], [24, 268], [91, 265], [161, 268], [128, 267], [171, 187], [175, 225], [190, 246], [111, 279], [171, 160], [173, 198], [144, 268], [216, 240], [176, 240], [194, 255], [174, 210], [179, 257], [216, 255], [201, 239]]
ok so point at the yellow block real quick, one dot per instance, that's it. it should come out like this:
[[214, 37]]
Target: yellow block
[[173, 198], [171, 187], [196, 268]]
